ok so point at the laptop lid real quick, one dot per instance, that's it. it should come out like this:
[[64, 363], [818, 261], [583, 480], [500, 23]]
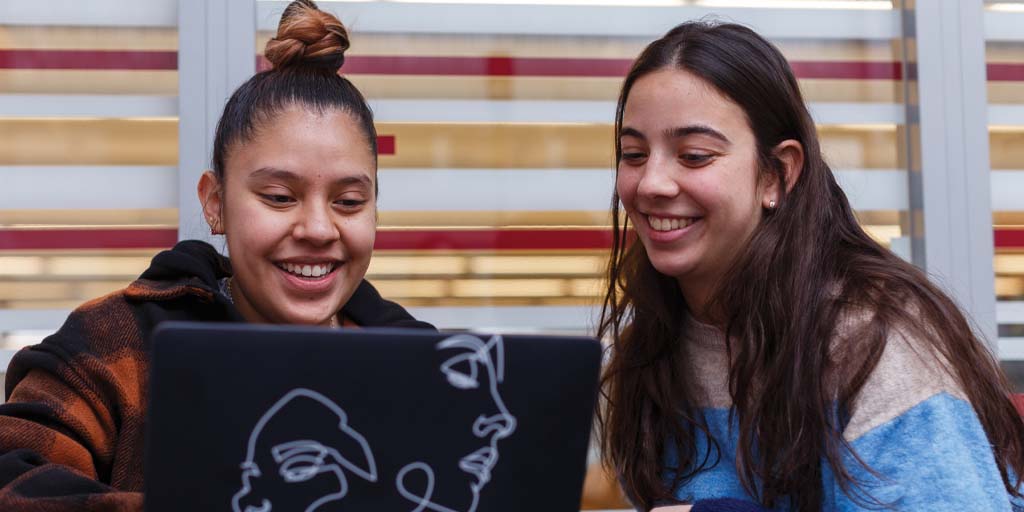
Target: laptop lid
[[258, 418]]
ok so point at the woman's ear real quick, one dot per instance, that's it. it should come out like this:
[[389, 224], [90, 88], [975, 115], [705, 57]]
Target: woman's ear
[[211, 197], [790, 154]]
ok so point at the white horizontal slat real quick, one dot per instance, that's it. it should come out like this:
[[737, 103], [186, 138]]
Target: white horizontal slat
[[88, 187], [1004, 25], [1007, 190], [1010, 312], [88, 105], [417, 110], [578, 319], [90, 13], [5, 361], [32, 319], [875, 189], [96, 187], [493, 111], [1006, 115], [572, 111], [495, 189], [574, 189], [857, 113], [519, 318], [594, 20], [1011, 349]]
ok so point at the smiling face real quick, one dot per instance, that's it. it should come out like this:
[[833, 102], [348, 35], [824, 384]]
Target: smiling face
[[688, 178], [297, 206]]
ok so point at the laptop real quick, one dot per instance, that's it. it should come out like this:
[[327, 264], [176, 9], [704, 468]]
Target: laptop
[[250, 418]]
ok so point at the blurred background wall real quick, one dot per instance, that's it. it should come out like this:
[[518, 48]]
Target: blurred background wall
[[496, 138]]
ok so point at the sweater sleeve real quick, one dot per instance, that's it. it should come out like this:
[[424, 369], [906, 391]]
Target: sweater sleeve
[[919, 442], [935, 456], [60, 430]]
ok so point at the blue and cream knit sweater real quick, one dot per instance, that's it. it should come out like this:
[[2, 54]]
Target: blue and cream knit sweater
[[911, 424]]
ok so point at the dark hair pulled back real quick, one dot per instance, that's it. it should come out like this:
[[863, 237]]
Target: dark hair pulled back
[[305, 57]]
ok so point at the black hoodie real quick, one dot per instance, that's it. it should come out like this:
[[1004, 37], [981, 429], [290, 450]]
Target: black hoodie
[[71, 432]]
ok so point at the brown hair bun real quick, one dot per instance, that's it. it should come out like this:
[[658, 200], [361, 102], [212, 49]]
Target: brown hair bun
[[308, 36]]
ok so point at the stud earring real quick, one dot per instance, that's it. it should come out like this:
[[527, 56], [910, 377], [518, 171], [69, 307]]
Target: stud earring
[[771, 204]]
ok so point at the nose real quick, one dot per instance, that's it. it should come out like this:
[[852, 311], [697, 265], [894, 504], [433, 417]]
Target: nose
[[315, 225], [499, 425], [245, 502], [658, 178]]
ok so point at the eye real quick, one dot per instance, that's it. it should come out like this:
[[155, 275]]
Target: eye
[[633, 157], [461, 372], [695, 159], [300, 468], [350, 203], [277, 199]]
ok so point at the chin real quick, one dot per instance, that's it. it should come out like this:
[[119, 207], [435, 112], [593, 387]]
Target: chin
[[671, 268], [306, 317]]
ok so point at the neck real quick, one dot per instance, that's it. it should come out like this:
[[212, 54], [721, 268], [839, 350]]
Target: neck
[[697, 295]]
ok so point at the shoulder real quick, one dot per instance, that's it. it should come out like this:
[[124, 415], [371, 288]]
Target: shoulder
[[910, 370], [101, 335], [368, 309]]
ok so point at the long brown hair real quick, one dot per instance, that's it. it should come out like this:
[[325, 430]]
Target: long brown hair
[[807, 264]]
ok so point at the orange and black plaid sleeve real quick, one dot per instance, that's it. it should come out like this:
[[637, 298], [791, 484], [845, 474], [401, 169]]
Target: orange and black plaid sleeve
[[71, 430]]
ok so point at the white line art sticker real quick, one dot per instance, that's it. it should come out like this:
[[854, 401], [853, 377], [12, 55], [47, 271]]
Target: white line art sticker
[[299, 461], [283, 471], [474, 364]]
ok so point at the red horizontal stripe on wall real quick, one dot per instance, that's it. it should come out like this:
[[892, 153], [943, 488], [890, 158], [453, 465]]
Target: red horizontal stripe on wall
[[38, 239], [848, 70], [1006, 72], [485, 66], [385, 144], [429, 65], [88, 59], [1009, 238], [406, 240], [476, 66], [457, 66], [493, 239]]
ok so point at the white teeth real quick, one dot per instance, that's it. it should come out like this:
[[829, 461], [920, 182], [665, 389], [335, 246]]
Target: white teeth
[[307, 270], [659, 224]]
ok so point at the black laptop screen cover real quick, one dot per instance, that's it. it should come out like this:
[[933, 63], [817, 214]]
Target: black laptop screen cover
[[400, 420]]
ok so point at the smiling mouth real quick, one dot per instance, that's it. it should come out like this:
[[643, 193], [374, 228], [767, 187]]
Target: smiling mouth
[[309, 271], [670, 223], [480, 463]]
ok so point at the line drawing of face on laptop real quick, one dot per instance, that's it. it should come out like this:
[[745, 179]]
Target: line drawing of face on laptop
[[476, 368], [285, 472]]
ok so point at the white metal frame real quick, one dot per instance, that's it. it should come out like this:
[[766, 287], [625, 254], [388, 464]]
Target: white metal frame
[[949, 164], [593, 20], [215, 56]]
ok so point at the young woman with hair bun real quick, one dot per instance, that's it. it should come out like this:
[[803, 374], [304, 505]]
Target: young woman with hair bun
[[293, 189], [764, 347]]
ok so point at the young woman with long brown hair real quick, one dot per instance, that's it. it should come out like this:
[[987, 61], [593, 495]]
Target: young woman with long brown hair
[[764, 346]]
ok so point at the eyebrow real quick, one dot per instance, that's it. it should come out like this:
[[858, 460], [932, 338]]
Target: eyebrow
[[286, 175], [679, 132]]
